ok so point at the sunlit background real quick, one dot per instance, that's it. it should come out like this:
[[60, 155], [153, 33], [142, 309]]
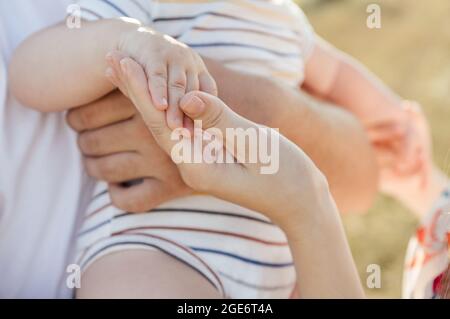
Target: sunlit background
[[411, 53]]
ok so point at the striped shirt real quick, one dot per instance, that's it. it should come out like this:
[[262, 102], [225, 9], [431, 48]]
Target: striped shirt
[[239, 251], [266, 37]]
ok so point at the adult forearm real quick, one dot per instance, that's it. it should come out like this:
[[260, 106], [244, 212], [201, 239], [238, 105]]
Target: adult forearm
[[321, 253], [332, 137]]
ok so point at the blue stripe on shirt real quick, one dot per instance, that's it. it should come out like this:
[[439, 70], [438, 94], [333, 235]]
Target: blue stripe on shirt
[[200, 211], [222, 15], [240, 45], [115, 7], [94, 227], [244, 259]]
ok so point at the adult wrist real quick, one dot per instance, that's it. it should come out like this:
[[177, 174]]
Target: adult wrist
[[315, 211], [319, 221]]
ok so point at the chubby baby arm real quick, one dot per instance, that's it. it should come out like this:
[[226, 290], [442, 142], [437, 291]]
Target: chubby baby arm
[[61, 68], [393, 132]]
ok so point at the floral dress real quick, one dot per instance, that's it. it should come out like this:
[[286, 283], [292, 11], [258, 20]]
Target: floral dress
[[427, 272]]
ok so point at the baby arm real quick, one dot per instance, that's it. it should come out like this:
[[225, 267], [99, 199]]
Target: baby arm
[[61, 68], [340, 79], [388, 120]]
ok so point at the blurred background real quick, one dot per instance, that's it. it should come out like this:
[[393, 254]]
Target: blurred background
[[411, 53]]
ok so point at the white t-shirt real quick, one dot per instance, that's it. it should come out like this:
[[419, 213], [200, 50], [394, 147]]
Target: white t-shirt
[[42, 183]]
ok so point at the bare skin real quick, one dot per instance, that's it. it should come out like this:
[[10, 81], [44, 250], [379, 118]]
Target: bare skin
[[145, 270], [80, 54], [309, 217], [299, 117], [313, 221]]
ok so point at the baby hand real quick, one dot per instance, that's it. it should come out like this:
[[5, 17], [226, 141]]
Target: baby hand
[[406, 165], [398, 142], [172, 69]]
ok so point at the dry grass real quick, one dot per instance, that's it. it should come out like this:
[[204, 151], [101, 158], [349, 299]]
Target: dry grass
[[410, 53]]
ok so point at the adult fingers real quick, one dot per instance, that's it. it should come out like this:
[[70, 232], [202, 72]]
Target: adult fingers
[[214, 114], [121, 137], [143, 197], [177, 89], [138, 198], [116, 168], [113, 108]]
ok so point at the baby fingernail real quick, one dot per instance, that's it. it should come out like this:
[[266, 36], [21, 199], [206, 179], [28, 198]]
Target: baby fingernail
[[123, 65]]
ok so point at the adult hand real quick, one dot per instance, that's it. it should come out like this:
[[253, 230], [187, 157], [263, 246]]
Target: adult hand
[[231, 181], [299, 202], [117, 147]]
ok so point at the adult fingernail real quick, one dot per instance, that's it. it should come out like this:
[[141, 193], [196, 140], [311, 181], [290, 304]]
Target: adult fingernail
[[193, 105]]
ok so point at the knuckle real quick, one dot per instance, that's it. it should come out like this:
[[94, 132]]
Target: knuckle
[[123, 203], [178, 84], [138, 204], [158, 72], [119, 202]]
